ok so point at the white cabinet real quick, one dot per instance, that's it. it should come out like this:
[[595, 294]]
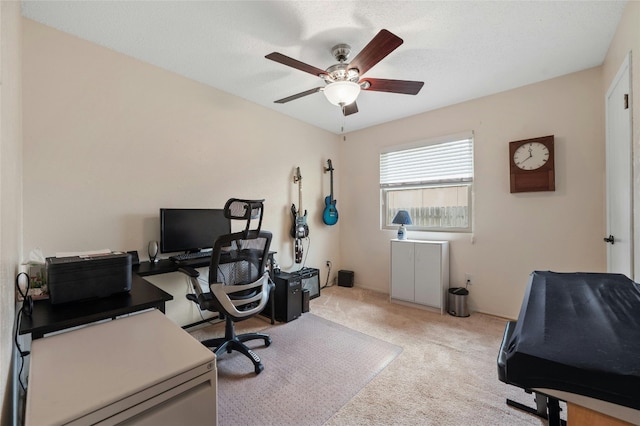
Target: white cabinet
[[139, 370], [420, 272]]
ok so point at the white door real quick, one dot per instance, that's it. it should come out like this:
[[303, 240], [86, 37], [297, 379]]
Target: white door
[[619, 186]]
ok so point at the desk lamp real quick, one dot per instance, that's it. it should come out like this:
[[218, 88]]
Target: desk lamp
[[402, 218]]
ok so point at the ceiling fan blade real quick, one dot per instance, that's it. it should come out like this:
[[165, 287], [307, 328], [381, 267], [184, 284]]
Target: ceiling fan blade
[[352, 108], [297, 96], [405, 87], [380, 46], [294, 63]]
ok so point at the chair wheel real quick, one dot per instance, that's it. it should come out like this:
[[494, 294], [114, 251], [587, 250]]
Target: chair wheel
[[259, 368], [267, 342]]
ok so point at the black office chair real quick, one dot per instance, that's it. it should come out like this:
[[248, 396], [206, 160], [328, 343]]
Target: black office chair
[[239, 285]]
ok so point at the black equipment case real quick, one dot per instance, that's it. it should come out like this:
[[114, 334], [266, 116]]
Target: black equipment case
[[78, 278]]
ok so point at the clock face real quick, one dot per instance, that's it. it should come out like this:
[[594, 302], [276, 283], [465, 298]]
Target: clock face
[[531, 156]]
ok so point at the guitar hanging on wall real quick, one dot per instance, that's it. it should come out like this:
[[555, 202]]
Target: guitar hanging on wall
[[299, 229], [330, 213]]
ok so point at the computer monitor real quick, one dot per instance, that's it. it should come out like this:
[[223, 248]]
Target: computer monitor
[[191, 230]]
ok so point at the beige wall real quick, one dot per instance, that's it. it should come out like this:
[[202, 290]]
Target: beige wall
[[625, 41], [109, 140], [514, 234], [10, 190]]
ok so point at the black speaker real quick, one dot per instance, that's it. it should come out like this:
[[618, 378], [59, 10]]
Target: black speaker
[[288, 297], [152, 249], [310, 281], [345, 278]]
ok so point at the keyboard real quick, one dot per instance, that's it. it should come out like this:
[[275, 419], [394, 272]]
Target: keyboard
[[190, 256]]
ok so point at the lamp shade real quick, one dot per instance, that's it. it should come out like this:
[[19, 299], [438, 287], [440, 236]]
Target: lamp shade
[[402, 218], [342, 93]]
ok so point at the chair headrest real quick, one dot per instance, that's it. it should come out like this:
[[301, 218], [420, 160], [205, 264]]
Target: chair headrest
[[247, 210]]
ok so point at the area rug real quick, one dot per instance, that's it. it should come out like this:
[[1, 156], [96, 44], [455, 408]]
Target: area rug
[[312, 368]]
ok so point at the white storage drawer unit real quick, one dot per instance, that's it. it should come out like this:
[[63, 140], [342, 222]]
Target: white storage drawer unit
[[420, 272], [138, 370]]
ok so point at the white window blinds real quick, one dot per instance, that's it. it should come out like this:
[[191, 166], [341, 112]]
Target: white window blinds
[[431, 163]]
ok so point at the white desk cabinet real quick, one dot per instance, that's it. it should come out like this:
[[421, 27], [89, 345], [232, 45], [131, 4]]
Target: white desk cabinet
[[138, 370], [420, 272]]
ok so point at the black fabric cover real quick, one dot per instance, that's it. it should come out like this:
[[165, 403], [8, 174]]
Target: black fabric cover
[[578, 333]]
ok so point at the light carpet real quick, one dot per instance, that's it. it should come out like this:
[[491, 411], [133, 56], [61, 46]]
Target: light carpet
[[446, 374], [313, 368]]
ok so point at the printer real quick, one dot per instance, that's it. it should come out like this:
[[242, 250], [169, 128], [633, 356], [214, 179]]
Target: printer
[[76, 278]]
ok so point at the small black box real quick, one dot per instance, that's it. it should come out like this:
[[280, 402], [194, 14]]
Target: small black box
[[345, 278]]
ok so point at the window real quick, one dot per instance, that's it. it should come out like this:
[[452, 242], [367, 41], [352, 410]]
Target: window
[[430, 179]]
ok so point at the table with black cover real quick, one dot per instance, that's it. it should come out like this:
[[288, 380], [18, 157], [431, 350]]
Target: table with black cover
[[579, 334]]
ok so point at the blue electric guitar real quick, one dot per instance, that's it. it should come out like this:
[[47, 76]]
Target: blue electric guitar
[[330, 213]]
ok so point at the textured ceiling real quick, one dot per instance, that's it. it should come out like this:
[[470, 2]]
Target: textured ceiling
[[461, 50]]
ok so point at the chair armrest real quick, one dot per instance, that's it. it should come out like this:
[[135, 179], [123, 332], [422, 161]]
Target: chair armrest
[[189, 271], [229, 305], [203, 300]]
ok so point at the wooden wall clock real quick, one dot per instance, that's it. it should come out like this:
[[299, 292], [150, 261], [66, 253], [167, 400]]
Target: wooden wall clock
[[532, 165]]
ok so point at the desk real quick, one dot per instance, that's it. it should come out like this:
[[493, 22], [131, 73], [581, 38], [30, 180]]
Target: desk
[[47, 318], [165, 266], [179, 310], [577, 336]]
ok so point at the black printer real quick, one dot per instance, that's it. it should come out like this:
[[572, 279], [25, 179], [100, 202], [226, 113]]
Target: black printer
[[76, 278]]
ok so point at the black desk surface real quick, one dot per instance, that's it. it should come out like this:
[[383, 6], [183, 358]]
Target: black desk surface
[[164, 266], [579, 333], [47, 318]]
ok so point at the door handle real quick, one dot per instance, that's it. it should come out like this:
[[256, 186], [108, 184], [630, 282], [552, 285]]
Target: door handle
[[610, 239]]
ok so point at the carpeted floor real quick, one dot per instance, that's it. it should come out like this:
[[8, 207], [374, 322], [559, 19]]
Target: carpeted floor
[[445, 375], [312, 368]]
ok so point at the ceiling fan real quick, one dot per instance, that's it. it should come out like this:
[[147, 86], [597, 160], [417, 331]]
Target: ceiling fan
[[344, 80]]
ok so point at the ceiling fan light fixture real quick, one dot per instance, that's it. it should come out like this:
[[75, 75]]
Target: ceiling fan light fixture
[[342, 93]]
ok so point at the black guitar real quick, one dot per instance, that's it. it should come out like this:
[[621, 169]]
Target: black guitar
[[330, 213], [300, 229]]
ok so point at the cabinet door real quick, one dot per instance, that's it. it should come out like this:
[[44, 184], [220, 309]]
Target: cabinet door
[[402, 270], [428, 274]]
